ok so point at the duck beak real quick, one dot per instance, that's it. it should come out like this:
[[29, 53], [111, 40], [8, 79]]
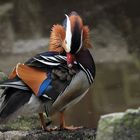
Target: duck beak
[[70, 60]]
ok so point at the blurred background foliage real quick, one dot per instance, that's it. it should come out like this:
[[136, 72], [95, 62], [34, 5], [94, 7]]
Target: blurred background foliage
[[25, 27]]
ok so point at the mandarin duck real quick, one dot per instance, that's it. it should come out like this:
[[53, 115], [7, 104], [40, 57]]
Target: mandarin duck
[[52, 81]]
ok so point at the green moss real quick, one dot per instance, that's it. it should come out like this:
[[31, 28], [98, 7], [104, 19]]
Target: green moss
[[125, 126], [23, 123], [128, 127]]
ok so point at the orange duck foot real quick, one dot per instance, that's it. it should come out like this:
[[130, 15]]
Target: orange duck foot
[[49, 129], [71, 128], [45, 127], [55, 128], [64, 127]]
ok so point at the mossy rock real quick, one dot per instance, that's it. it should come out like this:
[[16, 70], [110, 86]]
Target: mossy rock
[[3, 76], [120, 126]]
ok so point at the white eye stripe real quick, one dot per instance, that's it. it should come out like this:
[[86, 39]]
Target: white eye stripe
[[68, 34], [81, 42]]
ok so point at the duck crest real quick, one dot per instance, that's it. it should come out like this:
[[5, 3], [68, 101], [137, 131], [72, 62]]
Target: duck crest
[[80, 33], [75, 20], [74, 17], [58, 34]]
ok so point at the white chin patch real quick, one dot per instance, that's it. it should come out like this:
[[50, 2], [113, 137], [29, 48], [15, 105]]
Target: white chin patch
[[68, 35]]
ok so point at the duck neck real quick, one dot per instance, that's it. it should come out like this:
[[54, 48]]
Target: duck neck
[[85, 58]]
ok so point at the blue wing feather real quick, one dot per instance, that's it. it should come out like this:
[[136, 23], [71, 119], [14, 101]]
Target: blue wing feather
[[45, 86]]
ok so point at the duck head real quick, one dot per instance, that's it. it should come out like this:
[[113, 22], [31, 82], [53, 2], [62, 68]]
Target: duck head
[[73, 41], [71, 38]]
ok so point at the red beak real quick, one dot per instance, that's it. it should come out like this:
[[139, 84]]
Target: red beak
[[70, 60]]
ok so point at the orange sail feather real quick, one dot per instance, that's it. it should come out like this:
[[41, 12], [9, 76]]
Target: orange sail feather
[[31, 76]]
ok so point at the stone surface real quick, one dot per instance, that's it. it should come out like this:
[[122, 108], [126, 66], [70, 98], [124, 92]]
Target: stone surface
[[81, 134], [3, 76], [120, 126]]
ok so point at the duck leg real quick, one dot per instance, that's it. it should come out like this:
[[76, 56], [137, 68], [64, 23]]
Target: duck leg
[[44, 124], [63, 124], [42, 120]]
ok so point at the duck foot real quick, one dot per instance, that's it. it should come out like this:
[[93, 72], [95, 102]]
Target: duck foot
[[44, 125], [71, 128], [49, 129], [55, 128]]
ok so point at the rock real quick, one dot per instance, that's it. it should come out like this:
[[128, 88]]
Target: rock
[[3, 76], [12, 135], [80, 134], [120, 126], [5, 8]]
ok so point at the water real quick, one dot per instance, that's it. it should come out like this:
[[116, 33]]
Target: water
[[116, 88]]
